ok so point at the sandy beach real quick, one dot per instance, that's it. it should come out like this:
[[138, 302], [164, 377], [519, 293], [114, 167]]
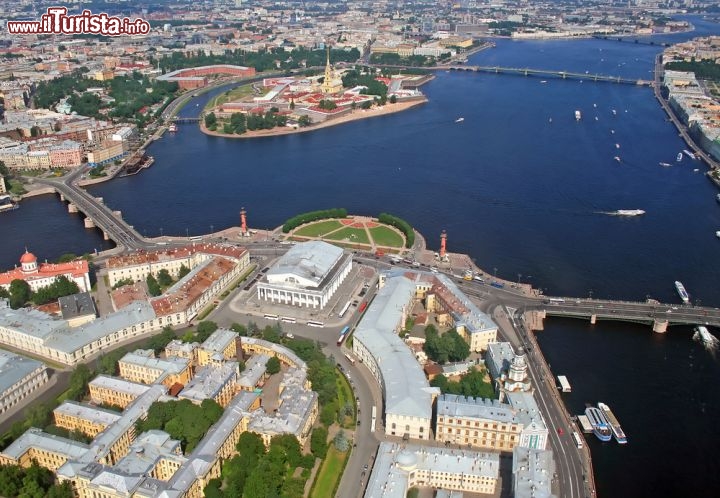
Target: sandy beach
[[353, 116]]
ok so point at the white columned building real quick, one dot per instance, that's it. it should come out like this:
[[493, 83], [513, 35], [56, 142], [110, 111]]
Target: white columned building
[[306, 276]]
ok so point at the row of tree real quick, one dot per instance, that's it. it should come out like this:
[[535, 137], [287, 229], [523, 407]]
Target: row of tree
[[372, 85], [20, 292], [401, 225], [303, 218], [705, 69], [449, 346]]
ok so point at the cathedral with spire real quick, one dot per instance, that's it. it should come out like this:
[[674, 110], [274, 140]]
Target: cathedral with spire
[[332, 82]]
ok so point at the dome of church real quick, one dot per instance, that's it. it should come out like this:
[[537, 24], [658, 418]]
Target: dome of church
[[406, 459], [28, 257]]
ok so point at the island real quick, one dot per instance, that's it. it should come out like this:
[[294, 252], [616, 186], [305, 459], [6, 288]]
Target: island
[[293, 104]]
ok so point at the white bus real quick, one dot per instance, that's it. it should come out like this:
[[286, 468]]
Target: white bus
[[287, 319], [344, 309], [350, 358], [578, 440], [312, 323], [373, 418], [268, 316]]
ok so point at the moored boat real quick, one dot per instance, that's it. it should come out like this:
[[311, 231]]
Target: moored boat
[[628, 212], [679, 157], [6, 204], [682, 292], [617, 431], [600, 426], [578, 115], [689, 154]]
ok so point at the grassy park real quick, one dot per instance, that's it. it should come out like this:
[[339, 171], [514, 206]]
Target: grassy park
[[385, 236], [318, 229], [353, 233], [350, 234]]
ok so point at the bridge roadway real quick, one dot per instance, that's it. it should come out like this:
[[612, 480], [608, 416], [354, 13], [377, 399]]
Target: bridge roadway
[[114, 226], [551, 74]]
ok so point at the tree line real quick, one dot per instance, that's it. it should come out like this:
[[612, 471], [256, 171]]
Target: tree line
[[303, 218], [20, 292], [401, 225]]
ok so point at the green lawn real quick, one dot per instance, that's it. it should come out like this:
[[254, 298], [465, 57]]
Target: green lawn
[[319, 228], [329, 474], [385, 236], [345, 395], [230, 96], [355, 235]]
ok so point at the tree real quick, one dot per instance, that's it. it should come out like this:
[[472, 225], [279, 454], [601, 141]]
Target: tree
[[318, 442], [210, 120], [341, 441], [239, 328], [292, 104], [19, 293], [304, 121], [4, 293], [164, 278], [393, 99], [327, 105], [413, 493], [153, 286], [205, 330], [184, 270], [273, 366]]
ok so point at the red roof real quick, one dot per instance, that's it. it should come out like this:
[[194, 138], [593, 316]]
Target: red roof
[[28, 257], [72, 269]]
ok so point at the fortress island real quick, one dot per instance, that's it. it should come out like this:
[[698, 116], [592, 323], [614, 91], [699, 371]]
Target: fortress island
[[293, 104]]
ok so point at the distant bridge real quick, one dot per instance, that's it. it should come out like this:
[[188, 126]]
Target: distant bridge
[[177, 119], [631, 39], [549, 73]]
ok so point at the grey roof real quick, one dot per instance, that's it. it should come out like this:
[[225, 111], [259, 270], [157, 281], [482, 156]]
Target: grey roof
[[31, 322], [254, 370], [498, 357], [209, 381], [532, 473], [527, 410], [407, 391], [276, 348], [474, 320], [166, 366], [146, 451], [14, 368], [35, 438], [219, 340], [395, 462], [104, 441], [120, 385], [87, 412], [453, 405], [77, 305], [310, 261]]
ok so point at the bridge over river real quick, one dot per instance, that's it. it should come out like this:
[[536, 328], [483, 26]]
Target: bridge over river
[[550, 73]]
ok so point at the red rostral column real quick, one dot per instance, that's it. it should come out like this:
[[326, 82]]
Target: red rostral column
[[443, 241], [243, 221]]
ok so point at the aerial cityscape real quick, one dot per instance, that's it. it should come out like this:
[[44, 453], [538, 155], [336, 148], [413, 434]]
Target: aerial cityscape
[[359, 249]]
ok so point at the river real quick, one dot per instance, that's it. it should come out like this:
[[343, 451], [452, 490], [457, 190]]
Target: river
[[524, 196]]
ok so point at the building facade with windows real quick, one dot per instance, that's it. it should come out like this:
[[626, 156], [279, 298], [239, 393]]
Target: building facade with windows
[[306, 276], [19, 378]]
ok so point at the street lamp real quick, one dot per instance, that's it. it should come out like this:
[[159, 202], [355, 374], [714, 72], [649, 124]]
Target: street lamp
[[519, 277], [187, 233], [590, 293], [161, 232], [495, 272]]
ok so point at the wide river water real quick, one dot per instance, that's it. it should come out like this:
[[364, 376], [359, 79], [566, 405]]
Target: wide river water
[[521, 187]]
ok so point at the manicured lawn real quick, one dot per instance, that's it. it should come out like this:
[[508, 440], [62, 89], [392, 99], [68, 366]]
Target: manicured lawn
[[385, 236], [319, 228], [234, 94], [329, 474], [355, 235]]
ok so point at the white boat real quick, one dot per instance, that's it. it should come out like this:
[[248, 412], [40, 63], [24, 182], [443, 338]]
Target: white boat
[[613, 422], [665, 164], [717, 234], [617, 146], [617, 158], [689, 154], [594, 105], [679, 157], [703, 335], [628, 212], [682, 292], [543, 81], [459, 120], [596, 118], [6, 204], [612, 131], [578, 115], [614, 112], [172, 128], [696, 170]]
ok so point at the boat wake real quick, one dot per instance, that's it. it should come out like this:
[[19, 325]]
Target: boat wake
[[623, 212]]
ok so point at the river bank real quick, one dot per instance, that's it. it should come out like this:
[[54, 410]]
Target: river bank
[[355, 115]]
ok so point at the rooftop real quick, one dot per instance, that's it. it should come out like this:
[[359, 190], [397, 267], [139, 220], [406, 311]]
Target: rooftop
[[14, 368], [407, 391], [145, 257], [209, 381], [98, 416], [305, 264], [532, 473], [35, 438], [219, 340], [395, 462], [77, 305], [453, 405], [119, 385]]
